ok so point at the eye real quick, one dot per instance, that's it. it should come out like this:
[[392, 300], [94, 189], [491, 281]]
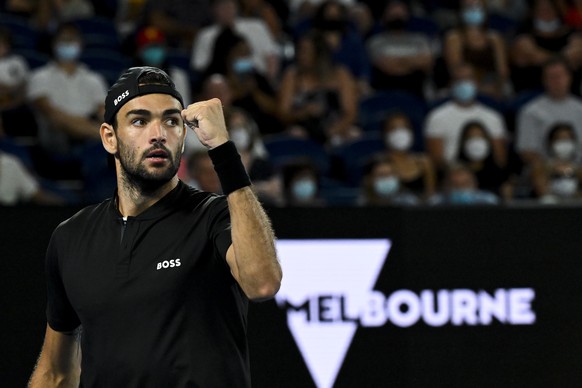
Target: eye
[[173, 122], [138, 122]]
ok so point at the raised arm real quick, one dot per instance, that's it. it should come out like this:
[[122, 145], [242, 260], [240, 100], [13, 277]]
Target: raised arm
[[59, 364], [252, 256]]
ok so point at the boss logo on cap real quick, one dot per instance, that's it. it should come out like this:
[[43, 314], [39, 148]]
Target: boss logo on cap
[[120, 97]]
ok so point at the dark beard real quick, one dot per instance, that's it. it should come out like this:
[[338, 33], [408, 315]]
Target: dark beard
[[137, 178]]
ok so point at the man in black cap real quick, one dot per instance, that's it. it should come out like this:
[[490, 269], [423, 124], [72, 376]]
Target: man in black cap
[[152, 286]]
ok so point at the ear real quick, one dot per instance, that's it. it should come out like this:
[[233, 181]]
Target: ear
[[108, 138], [184, 137]]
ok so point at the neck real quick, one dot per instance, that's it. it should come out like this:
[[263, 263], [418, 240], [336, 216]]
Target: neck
[[68, 67], [133, 200]]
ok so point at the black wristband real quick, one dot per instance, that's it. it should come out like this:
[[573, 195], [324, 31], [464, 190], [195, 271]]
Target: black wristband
[[229, 167]]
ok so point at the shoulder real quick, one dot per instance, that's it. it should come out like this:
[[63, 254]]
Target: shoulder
[[193, 199], [89, 216], [90, 75], [453, 36], [44, 72], [441, 111], [534, 105]]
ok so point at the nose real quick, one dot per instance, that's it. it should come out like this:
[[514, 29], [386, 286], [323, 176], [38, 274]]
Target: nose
[[157, 132]]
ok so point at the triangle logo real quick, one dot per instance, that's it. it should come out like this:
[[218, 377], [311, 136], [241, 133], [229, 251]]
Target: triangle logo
[[325, 288]]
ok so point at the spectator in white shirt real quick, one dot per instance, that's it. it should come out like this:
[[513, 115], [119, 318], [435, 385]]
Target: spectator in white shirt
[[255, 31]]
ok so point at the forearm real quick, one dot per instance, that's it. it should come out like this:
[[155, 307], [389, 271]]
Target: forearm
[[76, 126], [59, 364], [259, 272]]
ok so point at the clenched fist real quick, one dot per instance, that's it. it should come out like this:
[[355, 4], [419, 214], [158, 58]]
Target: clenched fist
[[206, 118]]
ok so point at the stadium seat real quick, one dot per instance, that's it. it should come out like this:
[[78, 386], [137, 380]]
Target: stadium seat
[[355, 155], [33, 58], [373, 111], [24, 36], [284, 149]]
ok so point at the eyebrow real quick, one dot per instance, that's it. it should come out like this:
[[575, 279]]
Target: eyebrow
[[145, 112]]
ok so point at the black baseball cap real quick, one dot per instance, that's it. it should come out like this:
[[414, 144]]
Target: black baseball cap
[[128, 86]]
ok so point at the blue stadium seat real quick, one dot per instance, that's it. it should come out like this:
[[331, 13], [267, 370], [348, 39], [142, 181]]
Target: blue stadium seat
[[284, 149], [33, 58], [355, 155], [96, 25], [98, 177], [374, 109], [97, 40], [179, 58], [23, 34], [109, 63]]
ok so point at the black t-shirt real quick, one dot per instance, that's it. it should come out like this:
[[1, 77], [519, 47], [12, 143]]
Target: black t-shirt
[[154, 294]]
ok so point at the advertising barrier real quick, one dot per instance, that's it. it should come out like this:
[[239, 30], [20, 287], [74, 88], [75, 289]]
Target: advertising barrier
[[390, 297]]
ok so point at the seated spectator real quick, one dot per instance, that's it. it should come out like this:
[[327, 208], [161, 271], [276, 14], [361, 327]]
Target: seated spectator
[[152, 50], [179, 20], [265, 11], [316, 96], [346, 45], [460, 188], [557, 104], [361, 17], [401, 60], [251, 90], [264, 50], [557, 178], [68, 98], [38, 12], [414, 170], [19, 186], [543, 36], [475, 152], [573, 14], [445, 122], [201, 174], [471, 42], [17, 118], [69, 10], [245, 135], [301, 182], [382, 186]]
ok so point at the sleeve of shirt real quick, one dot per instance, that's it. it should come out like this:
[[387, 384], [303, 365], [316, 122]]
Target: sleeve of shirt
[[434, 127], [99, 90], [497, 127], [526, 136], [27, 186], [37, 86], [201, 50], [60, 314]]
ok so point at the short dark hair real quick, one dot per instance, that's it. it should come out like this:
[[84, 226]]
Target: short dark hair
[[557, 60]]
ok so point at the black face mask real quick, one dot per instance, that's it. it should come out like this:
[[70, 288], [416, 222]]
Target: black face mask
[[332, 25], [398, 24]]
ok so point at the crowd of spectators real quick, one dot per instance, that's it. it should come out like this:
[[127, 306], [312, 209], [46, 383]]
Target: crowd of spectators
[[330, 102]]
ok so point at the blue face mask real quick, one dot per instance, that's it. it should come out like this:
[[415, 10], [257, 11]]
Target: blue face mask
[[68, 52], [243, 65], [462, 197], [304, 189], [464, 91], [153, 55], [474, 16], [386, 186]]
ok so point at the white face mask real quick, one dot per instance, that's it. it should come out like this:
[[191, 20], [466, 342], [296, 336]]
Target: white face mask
[[476, 149], [386, 186], [241, 138], [564, 186], [564, 149], [399, 139]]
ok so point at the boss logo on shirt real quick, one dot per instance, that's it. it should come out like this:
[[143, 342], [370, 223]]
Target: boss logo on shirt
[[169, 264], [120, 97]]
